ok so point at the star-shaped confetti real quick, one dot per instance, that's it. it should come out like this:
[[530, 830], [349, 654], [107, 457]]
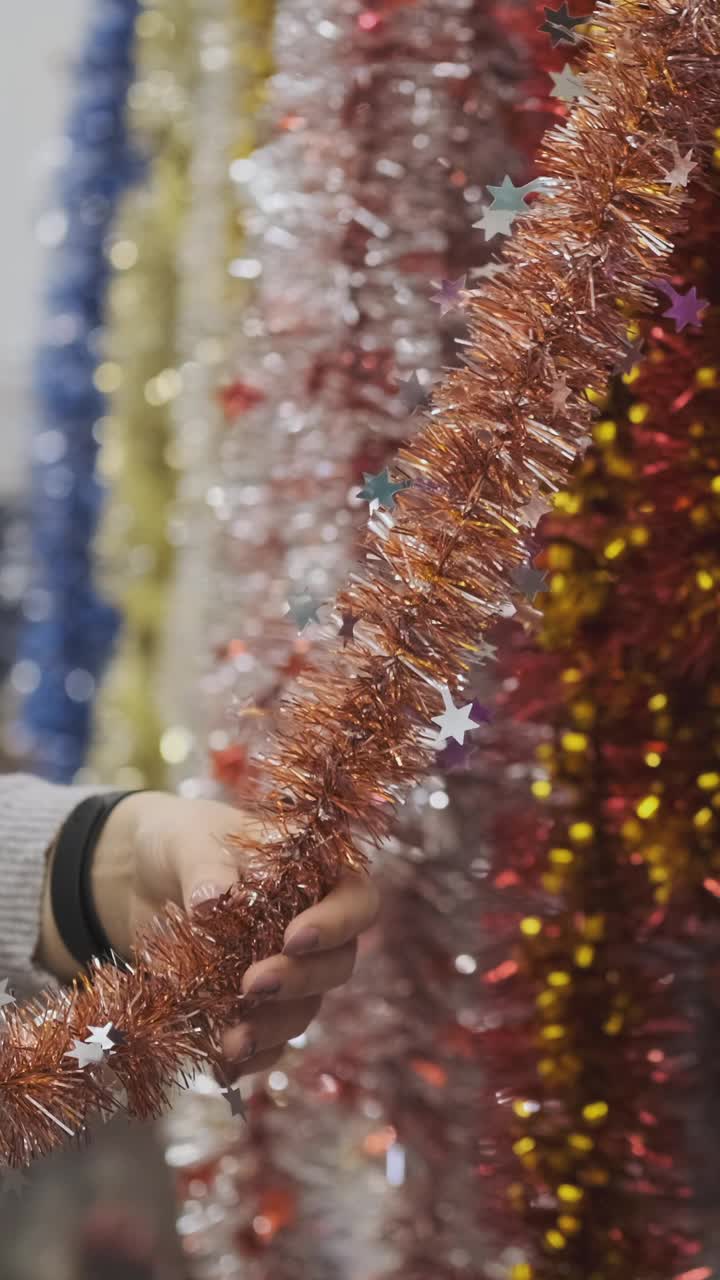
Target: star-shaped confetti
[[454, 722], [107, 1037], [560, 393], [449, 295], [529, 580], [413, 393], [568, 86], [486, 652], [85, 1053], [349, 622], [303, 608], [12, 1182], [380, 490], [508, 202], [6, 997], [479, 714], [679, 175], [686, 308], [630, 357], [533, 510], [559, 24], [234, 1099]]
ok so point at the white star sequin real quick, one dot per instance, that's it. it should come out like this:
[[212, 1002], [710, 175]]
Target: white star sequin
[[454, 722]]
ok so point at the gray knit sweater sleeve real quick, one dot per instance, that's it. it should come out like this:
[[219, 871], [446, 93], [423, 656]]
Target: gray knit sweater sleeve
[[31, 814]]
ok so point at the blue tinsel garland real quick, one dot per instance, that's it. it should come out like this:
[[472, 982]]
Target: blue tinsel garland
[[69, 630]]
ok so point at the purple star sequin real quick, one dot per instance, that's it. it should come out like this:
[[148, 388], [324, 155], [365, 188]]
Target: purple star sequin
[[686, 308]]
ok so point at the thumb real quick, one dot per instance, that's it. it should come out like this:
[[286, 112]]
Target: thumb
[[205, 864]]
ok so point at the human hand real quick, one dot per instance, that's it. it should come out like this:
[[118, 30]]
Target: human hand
[[157, 848]]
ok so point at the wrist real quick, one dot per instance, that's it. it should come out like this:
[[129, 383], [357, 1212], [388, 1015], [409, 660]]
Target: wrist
[[113, 871]]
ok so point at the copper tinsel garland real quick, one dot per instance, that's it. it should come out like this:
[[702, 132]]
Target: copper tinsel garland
[[440, 575]]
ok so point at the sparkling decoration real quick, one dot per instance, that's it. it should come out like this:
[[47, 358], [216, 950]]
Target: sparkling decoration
[[433, 582], [135, 557], [560, 24], [86, 1052], [454, 722], [381, 491], [601, 996], [568, 86], [450, 295], [107, 1037], [231, 63], [682, 168], [508, 202], [686, 309], [66, 640]]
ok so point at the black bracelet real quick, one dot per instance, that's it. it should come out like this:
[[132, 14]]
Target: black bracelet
[[71, 896]]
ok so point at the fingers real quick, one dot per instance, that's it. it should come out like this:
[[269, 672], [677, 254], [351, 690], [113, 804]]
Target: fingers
[[349, 909], [285, 978], [269, 1026], [258, 1043], [261, 1062]]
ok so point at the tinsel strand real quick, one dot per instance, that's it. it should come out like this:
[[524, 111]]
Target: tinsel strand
[[440, 574]]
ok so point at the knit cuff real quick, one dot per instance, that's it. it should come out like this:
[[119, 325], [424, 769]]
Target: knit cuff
[[31, 814]]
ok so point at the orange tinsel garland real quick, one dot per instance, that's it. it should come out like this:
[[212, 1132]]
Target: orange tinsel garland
[[434, 578]]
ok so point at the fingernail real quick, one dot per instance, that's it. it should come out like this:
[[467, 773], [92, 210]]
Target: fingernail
[[265, 987], [301, 942], [205, 893], [239, 1044]]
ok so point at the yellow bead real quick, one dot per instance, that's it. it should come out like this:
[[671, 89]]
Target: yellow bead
[[703, 818], [653, 760], [568, 1224], [708, 781], [574, 742], [531, 926], [594, 928], [715, 484], [560, 556], [581, 832], [569, 503], [639, 535], [571, 675], [658, 702], [555, 1239], [541, 789], [614, 1024], [524, 1146], [638, 413], [614, 548], [580, 1142], [648, 807], [525, 1107], [561, 857], [555, 1031], [569, 1193], [706, 376], [594, 1112], [584, 956], [558, 978], [705, 580], [605, 432], [522, 1271]]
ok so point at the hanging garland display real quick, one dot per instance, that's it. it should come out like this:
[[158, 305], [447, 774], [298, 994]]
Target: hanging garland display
[[438, 572], [69, 631], [134, 555]]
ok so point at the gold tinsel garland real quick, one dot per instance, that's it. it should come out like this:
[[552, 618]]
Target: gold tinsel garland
[[434, 579], [140, 374]]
